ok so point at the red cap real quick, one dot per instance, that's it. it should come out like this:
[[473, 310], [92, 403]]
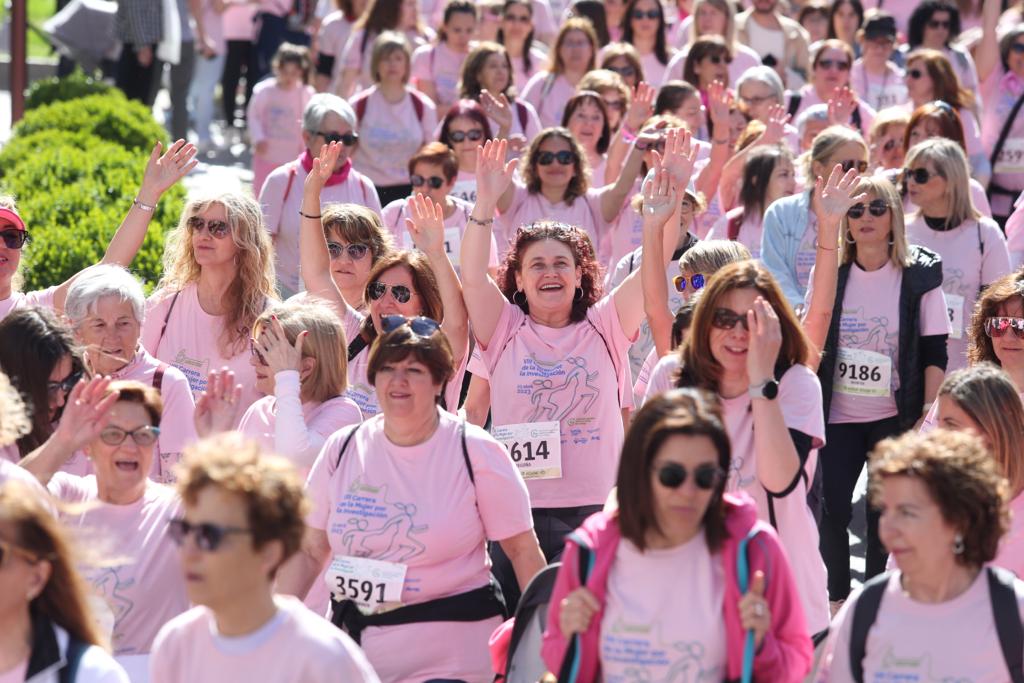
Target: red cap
[[12, 216]]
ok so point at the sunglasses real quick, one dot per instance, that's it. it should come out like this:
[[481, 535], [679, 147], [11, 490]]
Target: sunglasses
[[914, 74], [347, 139], [14, 239], [474, 135], [696, 282], [918, 175], [420, 325], [877, 207], [639, 14], [934, 23], [565, 158], [760, 99], [672, 475], [217, 229], [521, 18], [435, 182], [355, 251], [997, 327], [861, 166], [400, 293], [724, 319], [624, 71], [207, 536], [719, 59], [143, 436], [1017, 47], [10, 550], [64, 386], [615, 105], [839, 64]]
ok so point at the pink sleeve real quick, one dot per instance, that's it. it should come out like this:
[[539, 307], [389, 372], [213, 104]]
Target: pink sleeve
[[429, 121], [390, 217], [68, 488], [835, 661], [508, 324], [271, 198], [533, 126], [318, 483], [254, 115], [501, 494], [934, 318], [996, 261], [420, 69], [352, 56], [43, 298], [370, 195], [532, 90], [293, 437], [1015, 226], [643, 377], [858, 82], [606, 319], [801, 403], [972, 132], [555, 644], [177, 422], [164, 658]]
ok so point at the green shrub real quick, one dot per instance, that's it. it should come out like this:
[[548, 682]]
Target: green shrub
[[112, 118], [71, 87], [22, 147]]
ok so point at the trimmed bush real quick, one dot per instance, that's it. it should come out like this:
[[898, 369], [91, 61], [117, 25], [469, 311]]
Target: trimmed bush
[[22, 147], [112, 118], [71, 87]]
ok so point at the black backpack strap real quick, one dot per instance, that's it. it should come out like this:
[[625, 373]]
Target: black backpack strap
[[465, 452], [167, 317], [73, 656], [865, 611], [356, 346], [1006, 613], [344, 445], [794, 103]]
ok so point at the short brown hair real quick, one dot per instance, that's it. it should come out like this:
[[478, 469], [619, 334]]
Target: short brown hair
[[961, 478], [469, 80], [580, 182], [358, 224], [681, 411], [947, 118], [1001, 292], [436, 153], [626, 51], [384, 45], [270, 487], [132, 391], [602, 81], [578, 100], [434, 351]]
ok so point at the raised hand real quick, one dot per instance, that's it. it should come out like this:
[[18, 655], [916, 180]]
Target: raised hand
[[497, 109], [426, 225], [493, 173], [720, 102], [85, 413], [841, 106], [765, 341], [162, 171], [834, 197], [659, 197], [277, 352], [679, 156], [323, 167], [775, 126], [217, 407], [641, 106]]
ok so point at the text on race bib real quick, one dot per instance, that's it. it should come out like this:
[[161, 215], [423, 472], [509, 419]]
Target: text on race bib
[[452, 244], [862, 373], [370, 584], [535, 448], [955, 311], [1011, 157]]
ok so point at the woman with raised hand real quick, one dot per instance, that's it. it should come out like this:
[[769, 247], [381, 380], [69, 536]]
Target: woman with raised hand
[[356, 241], [831, 62], [487, 78], [555, 346], [711, 17], [409, 283], [463, 129], [412, 495], [162, 172]]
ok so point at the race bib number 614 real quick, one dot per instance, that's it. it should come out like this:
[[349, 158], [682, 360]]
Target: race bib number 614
[[535, 448]]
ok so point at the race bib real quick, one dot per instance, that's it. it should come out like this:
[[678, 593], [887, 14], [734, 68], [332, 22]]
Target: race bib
[[1011, 157], [370, 584], [862, 373], [452, 244], [535, 448], [955, 311]]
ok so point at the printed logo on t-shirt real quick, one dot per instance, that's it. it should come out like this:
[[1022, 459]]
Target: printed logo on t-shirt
[[959, 296], [196, 370], [860, 331], [365, 397], [111, 587], [642, 655], [563, 391]]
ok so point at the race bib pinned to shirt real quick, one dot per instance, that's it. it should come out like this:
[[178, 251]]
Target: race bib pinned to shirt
[[862, 373], [535, 448], [371, 584], [452, 244], [955, 311], [1011, 157]]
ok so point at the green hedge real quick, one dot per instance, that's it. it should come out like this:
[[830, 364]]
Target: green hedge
[[71, 87], [23, 147], [110, 117]]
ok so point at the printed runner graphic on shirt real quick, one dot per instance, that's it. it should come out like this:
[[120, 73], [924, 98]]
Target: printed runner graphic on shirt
[[111, 587], [644, 657], [196, 370], [554, 399], [910, 669], [874, 334]]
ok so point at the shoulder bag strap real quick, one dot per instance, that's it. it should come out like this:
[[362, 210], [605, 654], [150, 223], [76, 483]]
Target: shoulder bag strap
[[344, 445], [167, 317], [1006, 612], [158, 377], [865, 611]]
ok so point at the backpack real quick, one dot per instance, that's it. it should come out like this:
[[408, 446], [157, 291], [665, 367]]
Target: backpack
[[359, 104], [1004, 612]]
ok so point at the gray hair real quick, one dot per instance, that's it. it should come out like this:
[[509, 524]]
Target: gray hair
[[767, 76], [816, 112], [101, 281], [322, 104]]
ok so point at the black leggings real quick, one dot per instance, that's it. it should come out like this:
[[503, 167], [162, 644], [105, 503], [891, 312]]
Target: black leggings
[[240, 59], [845, 453]]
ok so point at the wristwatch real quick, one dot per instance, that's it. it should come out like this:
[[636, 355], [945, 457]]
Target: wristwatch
[[768, 389]]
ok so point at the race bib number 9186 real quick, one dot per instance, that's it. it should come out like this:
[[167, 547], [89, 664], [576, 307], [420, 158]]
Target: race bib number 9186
[[535, 448], [862, 373]]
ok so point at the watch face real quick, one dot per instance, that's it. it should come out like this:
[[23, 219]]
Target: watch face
[[770, 390]]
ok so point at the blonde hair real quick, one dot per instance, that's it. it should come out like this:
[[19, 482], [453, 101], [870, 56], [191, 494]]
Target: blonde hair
[[325, 343], [603, 80], [899, 250], [950, 162], [14, 422], [890, 116], [709, 256], [252, 289], [825, 145]]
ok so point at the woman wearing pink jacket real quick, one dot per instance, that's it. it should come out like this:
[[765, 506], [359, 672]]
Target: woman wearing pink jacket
[[619, 609]]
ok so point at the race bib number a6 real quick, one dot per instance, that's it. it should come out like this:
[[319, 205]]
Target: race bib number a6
[[535, 448], [955, 311], [370, 584], [862, 373]]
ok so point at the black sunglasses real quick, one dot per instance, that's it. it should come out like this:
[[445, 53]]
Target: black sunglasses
[[861, 166], [724, 319], [347, 139], [474, 135], [1017, 47], [877, 207], [696, 282], [915, 73], [64, 386], [400, 293], [207, 536], [217, 229], [840, 64], [918, 175], [624, 71], [435, 182], [997, 327], [420, 325], [565, 157], [673, 475], [14, 239], [649, 14], [143, 436], [355, 251]]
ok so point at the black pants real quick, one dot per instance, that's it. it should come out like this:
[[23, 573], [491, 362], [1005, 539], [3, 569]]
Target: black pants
[[138, 82], [240, 59], [389, 193], [181, 79], [841, 460], [551, 526], [273, 32]]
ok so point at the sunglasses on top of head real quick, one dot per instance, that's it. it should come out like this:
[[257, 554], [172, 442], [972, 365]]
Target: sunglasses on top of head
[[208, 537], [672, 475], [399, 293], [421, 326], [14, 239], [696, 282], [998, 326], [565, 158], [347, 139], [877, 208]]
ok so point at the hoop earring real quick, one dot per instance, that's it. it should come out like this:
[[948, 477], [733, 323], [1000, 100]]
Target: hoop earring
[[519, 303], [849, 238], [958, 544], [892, 239], [579, 294]]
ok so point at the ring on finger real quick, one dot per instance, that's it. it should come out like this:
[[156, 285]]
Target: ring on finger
[[759, 609]]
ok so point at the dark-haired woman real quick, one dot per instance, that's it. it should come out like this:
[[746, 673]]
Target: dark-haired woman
[[586, 117], [487, 78], [379, 16], [436, 68], [936, 24], [632, 618], [572, 56], [643, 27], [463, 129], [516, 35]]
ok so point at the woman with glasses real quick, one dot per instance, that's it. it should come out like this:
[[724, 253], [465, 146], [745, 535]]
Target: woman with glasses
[[643, 27], [831, 61], [464, 128], [409, 283], [623, 59], [886, 139], [412, 494], [707, 62], [49, 631], [878, 315], [241, 520], [572, 56], [356, 241], [716, 18], [971, 246], [516, 35], [326, 119], [122, 514], [487, 79], [632, 618], [394, 118], [613, 91], [996, 332], [936, 25]]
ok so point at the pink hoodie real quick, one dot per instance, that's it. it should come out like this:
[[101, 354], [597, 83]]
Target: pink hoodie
[[786, 652]]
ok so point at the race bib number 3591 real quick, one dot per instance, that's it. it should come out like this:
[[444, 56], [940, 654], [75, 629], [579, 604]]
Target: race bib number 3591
[[535, 448], [370, 584]]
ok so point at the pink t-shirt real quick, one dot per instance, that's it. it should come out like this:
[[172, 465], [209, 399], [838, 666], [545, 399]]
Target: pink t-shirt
[[331, 41], [443, 66], [625, 233], [416, 505], [749, 234], [577, 376], [394, 216], [973, 256], [584, 213], [357, 53], [389, 134], [742, 59], [662, 377], [9, 471], [465, 187], [870, 322], [177, 426], [281, 213], [879, 91], [275, 116], [190, 342], [915, 641], [140, 578], [213, 24], [671, 629], [809, 97], [1001, 91], [800, 400], [520, 74], [78, 464], [978, 196], [239, 21], [548, 94], [297, 430], [42, 298], [295, 646], [1011, 547]]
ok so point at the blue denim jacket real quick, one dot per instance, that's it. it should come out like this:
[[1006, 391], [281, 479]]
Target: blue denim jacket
[[785, 222]]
